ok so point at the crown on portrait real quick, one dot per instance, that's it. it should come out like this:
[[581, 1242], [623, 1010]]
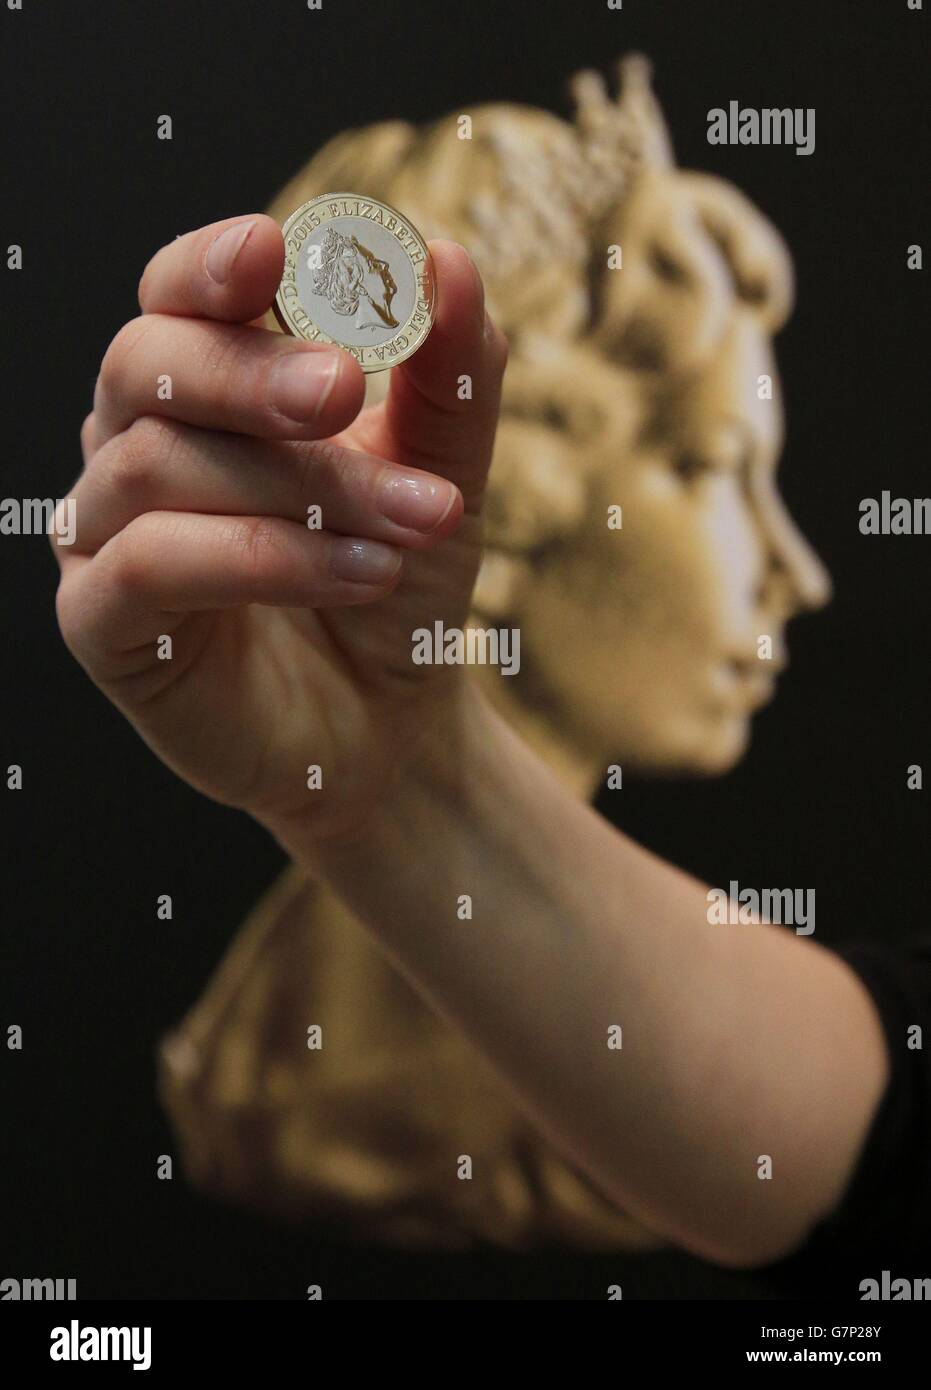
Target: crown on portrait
[[618, 137], [547, 195]]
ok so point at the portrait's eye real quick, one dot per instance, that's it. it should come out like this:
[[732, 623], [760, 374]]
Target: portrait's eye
[[724, 452], [668, 267], [580, 421], [690, 465]]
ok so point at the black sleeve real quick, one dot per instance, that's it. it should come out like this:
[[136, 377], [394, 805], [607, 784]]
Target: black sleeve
[[884, 1219]]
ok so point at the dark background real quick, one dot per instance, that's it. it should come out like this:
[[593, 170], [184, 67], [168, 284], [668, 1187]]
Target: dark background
[[101, 828]]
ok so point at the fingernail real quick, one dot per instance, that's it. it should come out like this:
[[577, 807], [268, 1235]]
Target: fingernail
[[300, 383], [420, 503], [223, 250], [363, 562]]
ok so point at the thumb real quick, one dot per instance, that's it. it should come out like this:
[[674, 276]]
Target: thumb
[[442, 406]]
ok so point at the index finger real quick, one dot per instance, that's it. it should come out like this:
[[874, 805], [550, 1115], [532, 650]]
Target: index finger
[[228, 270]]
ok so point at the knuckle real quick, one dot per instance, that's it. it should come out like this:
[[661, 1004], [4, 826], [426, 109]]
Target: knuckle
[[325, 468], [75, 610], [66, 614], [87, 434], [141, 291], [257, 539], [124, 344], [126, 570], [500, 348], [304, 478], [52, 536], [225, 364], [142, 451], [128, 566], [144, 287]]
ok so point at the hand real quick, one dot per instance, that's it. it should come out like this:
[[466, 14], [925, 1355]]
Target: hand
[[289, 646]]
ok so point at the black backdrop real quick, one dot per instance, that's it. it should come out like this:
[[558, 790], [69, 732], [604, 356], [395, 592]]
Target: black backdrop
[[100, 828]]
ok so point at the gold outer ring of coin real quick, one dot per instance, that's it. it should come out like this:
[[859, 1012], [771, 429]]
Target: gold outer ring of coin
[[296, 318]]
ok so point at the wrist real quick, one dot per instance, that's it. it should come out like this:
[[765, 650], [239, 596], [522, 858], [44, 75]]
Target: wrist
[[447, 748]]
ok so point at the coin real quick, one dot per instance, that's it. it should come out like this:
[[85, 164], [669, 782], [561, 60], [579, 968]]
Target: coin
[[357, 273]]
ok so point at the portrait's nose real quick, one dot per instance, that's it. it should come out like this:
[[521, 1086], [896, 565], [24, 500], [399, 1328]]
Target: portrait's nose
[[795, 571]]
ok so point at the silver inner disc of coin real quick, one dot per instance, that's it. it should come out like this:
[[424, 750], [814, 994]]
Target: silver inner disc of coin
[[355, 281]]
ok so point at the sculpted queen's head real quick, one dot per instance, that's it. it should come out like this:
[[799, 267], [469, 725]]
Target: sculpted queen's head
[[640, 302]]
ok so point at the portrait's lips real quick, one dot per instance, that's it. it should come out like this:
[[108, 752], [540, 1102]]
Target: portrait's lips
[[750, 682]]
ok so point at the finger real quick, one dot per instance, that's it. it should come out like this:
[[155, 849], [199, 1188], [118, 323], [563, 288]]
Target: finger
[[160, 464], [443, 402], [228, 270], [179, 562], [226, 377], [88, 439]]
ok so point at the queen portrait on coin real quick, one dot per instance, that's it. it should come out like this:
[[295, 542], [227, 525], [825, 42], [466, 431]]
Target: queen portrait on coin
[[353, 280]]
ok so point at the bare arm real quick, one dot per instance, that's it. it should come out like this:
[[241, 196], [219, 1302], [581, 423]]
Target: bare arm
[[738, 1041]]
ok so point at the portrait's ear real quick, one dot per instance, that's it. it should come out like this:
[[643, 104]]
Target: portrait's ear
[[757, 256], [536, 495], [535, 491], [551, 304], [571, 388], [666, 306]]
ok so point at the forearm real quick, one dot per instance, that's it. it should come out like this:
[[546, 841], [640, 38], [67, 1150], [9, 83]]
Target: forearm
[[737, 1041]]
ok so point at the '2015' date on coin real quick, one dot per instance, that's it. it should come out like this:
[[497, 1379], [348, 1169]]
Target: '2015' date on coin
[[357, 273]]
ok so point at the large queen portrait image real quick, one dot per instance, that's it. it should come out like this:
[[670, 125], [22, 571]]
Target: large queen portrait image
[[634, 533]]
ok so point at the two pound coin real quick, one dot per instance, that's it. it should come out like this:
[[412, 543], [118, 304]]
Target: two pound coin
[[357, 273]]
